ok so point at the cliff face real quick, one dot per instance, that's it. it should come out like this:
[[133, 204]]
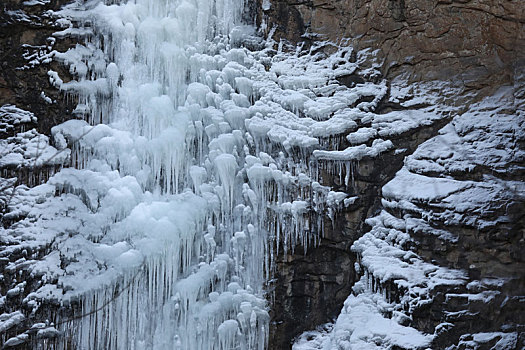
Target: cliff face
[[480, 42], [27, 48], [477, 46], [29, 107]]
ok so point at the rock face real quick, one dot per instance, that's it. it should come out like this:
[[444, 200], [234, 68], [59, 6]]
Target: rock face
[[26, 45], [311, 287], [476, 46], [479, 41]]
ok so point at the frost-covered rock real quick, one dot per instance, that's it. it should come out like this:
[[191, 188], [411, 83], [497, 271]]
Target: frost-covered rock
[[432, 256]]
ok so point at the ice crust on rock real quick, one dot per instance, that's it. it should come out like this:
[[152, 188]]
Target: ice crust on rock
[[362, 325], [484, 141], [370, 318], [12, 116], [357, 152], [29, 149], [465, 146], [25, 148]]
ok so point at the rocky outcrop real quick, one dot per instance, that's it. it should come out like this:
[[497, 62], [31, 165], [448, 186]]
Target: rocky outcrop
[[26, 45], [310, 288], [407, 42], [479, 42], [29, 103]]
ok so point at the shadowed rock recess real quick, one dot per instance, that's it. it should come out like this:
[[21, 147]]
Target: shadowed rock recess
[[357, 174]]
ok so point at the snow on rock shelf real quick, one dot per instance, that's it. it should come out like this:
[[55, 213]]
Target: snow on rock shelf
[[456, 192], [24, 152]]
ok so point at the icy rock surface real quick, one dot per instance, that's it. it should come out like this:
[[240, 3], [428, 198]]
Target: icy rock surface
[[455, 190], [24, 152]]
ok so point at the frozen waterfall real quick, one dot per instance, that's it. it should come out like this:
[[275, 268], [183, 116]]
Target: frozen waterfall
[[193, 162], [186, 252], [172, 208]]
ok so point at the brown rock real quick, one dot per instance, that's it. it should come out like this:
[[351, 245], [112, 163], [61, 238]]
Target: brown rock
[[480, 41], [22, 83]]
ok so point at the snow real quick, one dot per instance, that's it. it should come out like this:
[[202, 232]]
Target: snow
[[485, 137], [363, 135], [19, 339], [8, 320], [266, 5], [22, 150], [362, 325], [421, 187], [369, 319], [384, 256], [503, 340], [12, 116], [36, 2], [357, 152], [480, 137]]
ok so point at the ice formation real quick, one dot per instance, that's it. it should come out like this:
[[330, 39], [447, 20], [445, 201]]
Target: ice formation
[[196, 160], [190, 170]]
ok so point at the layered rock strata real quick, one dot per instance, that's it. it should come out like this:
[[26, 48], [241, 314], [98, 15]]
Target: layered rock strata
[[479, 42]]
